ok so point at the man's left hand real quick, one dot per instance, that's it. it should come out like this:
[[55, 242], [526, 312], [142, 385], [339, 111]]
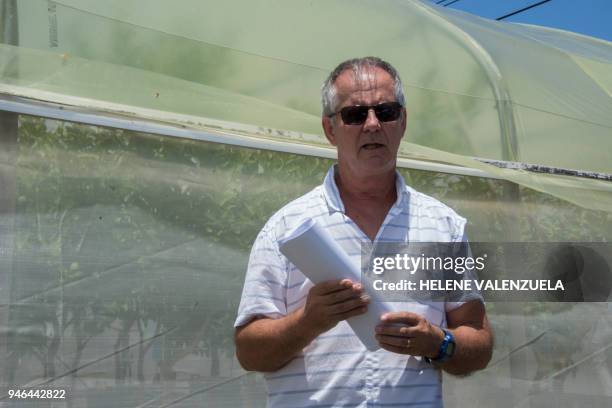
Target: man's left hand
[[409, 333]]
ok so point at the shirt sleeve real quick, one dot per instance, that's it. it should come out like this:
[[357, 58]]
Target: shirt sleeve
[[460, 298], [265, 285]]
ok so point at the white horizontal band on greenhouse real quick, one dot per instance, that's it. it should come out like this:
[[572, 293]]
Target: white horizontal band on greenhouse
[[98, 113], [93, 112]]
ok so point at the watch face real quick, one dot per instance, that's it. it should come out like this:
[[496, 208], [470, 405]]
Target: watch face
[[450, 349]]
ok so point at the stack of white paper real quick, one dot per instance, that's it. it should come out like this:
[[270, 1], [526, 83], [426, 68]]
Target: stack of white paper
[[314, 252]]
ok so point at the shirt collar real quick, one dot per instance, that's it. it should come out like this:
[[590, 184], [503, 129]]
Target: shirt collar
[[335, 204]]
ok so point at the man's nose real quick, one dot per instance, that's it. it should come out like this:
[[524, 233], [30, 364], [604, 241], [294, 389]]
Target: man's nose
[[371, 124]]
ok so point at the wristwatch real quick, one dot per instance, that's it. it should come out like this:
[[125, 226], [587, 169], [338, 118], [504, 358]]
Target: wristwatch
[[447, 349]]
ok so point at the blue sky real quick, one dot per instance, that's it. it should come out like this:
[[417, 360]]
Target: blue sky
[[590, 17]]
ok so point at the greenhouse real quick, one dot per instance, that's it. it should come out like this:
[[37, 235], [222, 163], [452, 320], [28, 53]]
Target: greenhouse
[[145, 144]]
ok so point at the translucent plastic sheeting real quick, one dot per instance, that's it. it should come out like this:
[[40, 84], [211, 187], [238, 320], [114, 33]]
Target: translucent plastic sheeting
[[599, 71], [71, 77], [566, 41], [464, 76], [124, 254], [248, 52], [588, 193], [561, 103]]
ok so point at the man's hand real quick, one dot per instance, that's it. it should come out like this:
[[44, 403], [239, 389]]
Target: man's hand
[[331, 302], [409, 333], [268, 344]]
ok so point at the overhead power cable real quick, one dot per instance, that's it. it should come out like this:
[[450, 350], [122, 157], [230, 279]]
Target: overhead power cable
[[452, 2], [521, 10], [444, 5]]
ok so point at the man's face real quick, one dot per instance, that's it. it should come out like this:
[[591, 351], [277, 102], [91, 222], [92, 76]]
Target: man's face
[[368, 149]]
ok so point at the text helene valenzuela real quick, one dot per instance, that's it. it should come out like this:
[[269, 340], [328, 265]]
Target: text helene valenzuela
[[458, 265]]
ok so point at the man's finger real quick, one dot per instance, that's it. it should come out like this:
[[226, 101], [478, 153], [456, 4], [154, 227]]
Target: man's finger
[[351, 304], [341, 296], [408, 318], [402, 342], [399, 331], [331, 286]]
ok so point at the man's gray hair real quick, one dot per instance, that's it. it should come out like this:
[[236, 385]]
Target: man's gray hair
[[329, 92]]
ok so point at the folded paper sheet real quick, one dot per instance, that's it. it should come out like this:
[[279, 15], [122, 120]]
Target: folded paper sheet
[[320, 258]]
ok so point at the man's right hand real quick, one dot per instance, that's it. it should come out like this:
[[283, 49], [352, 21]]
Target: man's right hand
[[331, 302], [268, 344]]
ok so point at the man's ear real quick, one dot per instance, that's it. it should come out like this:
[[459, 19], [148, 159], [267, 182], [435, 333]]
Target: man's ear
[[328, 128]]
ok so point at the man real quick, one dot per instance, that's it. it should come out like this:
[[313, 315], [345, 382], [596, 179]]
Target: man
[[295, 331]]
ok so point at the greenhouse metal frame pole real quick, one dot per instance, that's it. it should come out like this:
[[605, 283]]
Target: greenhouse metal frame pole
[[9, 34], [505, 110]]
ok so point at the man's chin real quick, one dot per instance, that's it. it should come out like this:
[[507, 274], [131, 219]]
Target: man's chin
[[373, 168]]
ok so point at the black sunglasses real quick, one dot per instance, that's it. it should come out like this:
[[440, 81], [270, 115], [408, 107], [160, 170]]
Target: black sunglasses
[[357, 115]]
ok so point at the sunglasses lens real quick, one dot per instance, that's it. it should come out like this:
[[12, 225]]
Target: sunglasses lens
[[354, 115], [357, 115], [387, 112]]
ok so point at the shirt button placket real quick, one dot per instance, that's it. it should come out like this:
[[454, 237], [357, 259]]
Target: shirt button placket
[[372, 380]]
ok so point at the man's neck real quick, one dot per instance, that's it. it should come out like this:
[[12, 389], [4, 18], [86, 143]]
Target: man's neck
[[379, 189]]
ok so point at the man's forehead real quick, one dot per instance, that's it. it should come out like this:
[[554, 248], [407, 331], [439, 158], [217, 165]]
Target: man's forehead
[[374, 81]]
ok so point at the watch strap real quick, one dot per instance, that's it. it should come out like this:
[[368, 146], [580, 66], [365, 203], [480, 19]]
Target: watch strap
[[447, 349]]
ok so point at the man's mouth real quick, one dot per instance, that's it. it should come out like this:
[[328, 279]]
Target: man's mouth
[[372, 146]]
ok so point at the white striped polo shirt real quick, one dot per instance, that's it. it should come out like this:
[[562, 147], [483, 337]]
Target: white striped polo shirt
[[336, 370]]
